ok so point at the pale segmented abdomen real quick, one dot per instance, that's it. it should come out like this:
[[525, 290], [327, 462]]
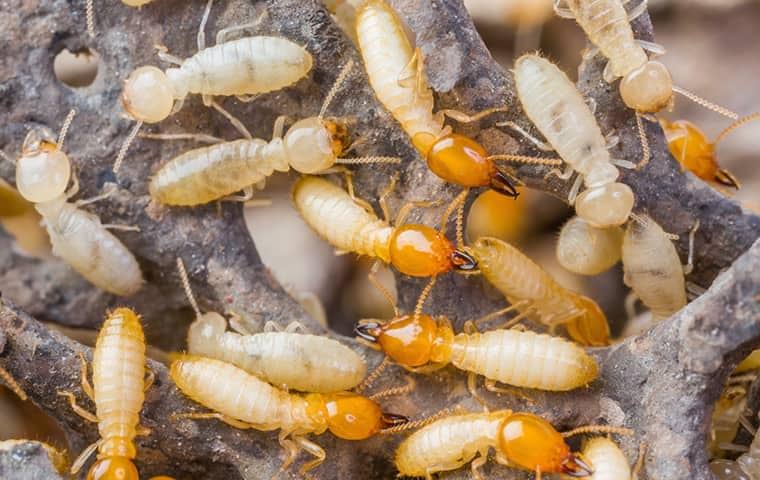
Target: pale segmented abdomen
[[308, 363], [588, 250], [517, 277], [81, 241], [558, 110], [246, 66], [653, 269], [336, 217], [118, 371], [227, 389], [606, 25], [524, 359], [447, 444], [386, 52], [210, 173], [608, 460]]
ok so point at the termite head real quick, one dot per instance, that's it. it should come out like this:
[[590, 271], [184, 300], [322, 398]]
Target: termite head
[[354, 417], [314, 144], [605, 206], [148, 95], [410, 340], [647, 89], [530, 442], [43, 170], [113, 468], [421, 251], [203, 332], [463, 161]]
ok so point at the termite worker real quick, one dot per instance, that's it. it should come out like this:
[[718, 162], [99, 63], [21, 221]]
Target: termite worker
[[413, 249], [42, 173], [533, 292], [652, 267], [311, 145], [388, 56], [558, 110], [118, 388], [243, 401], [607, 460], [521, 440], [242, 67], [587, 250], [289, 360]]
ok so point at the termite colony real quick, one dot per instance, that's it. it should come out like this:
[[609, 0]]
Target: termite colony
[[304, 385]]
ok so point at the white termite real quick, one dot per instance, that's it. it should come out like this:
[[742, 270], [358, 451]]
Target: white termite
[[587, 250]]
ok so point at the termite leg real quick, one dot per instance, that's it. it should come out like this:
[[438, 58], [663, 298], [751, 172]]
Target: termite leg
[[574, 190], [687, 269], [407, 208], [627, 164], [560, 174], [413, 70], [150, 378], [479, 321], [538, 473], [224, 34], [639, 460], [470, 327], [202, 27], [544, 146], [562, 11], [607, 74], [348, 176], [77, 409], [654, 48], [472, 387], [11, 383], [313, 449], [142, 431], [86, 386], [198, 137], [597, 429], [123, 228], [279, 126], [247, 98], [209, 101], [271, 326], [246, 196], [290, 447], [96, 198], [237, 324], [213, 415], [492, 387], [163, 54], [74, 189], [383, 199], [83, 457], [477, 463], [294, 327], [462, 117], [693, 290]]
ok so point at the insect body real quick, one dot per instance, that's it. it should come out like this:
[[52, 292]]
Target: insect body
[[521, 440], [535, 293], [607, 460], [559, 112], [119, 382], [519, 358], [652, 268], [244, 401], [414, 250], [388, 55], [587, 250], [78, 237]]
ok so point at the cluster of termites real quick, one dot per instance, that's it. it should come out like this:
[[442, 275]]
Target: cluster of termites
[[303, 384]]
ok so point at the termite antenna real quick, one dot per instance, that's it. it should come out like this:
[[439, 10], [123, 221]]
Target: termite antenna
[[458, 200], [395, 391], [186, 286], [366, 160], [373, 375], [335, 87], [423, 296], [705, 103], [90, 14], [417, 423], [597, 429], [65, 128], [646, 153], [125, 146], [528, 160], [639, 460], [11, 383], [638, 219]]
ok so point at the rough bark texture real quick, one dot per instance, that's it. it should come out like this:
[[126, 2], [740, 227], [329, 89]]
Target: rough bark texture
[[662, 384]]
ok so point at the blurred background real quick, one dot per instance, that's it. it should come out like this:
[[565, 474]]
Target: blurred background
[[704, 56]]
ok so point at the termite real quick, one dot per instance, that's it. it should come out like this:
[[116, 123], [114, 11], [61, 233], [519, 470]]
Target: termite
[[396, 74], [42, 174], [413, 249], [558, 110], [652, 267], [587, 250], [522, 440], [243, 401], [311, 145], [608, 461], [242, 67], [289, 360], [520, 358], [119, 382], [534, 293], [696, 153]]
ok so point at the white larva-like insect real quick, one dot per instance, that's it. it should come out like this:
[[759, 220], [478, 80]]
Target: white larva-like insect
[[244, 401], [587, 250], [78, 237], [607, 460], [557, 109], [652, 267], [288, 360], [311, 145], [118, 386]]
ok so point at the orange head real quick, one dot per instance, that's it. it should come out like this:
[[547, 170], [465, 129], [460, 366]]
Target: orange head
[[530, 442], [410, 340], [463, 161], [591, 328], [420, 251], [113, 468], [353, 417]]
